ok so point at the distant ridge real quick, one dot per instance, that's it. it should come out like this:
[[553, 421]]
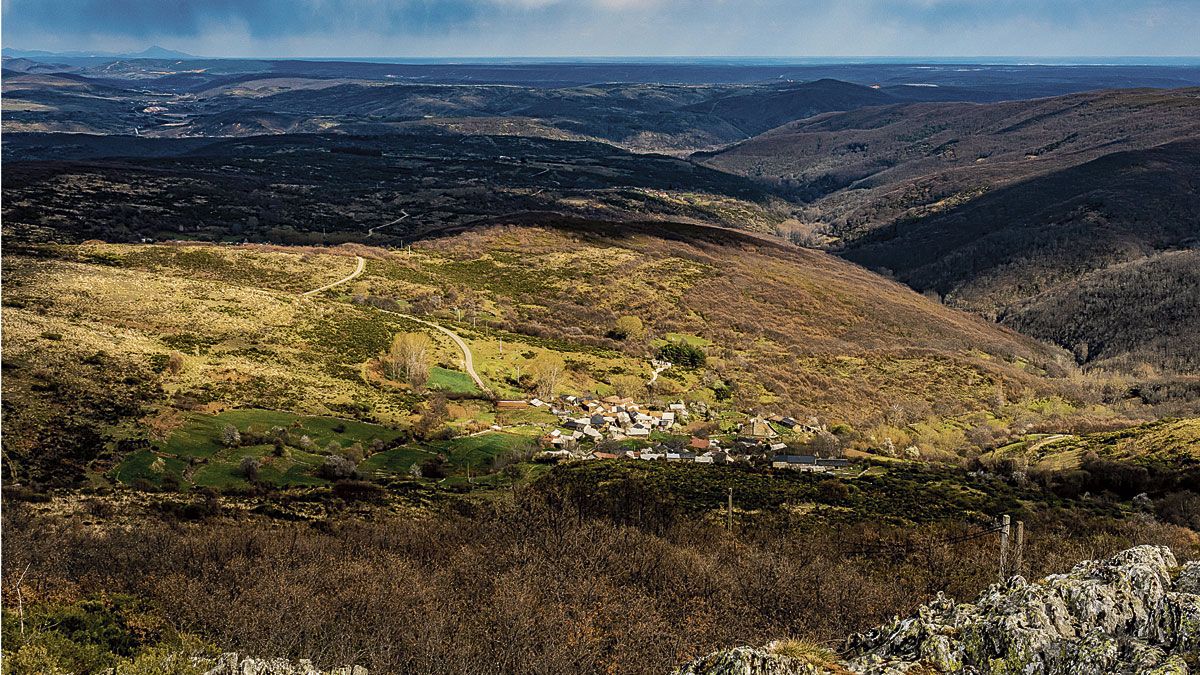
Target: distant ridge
[[152, 52]]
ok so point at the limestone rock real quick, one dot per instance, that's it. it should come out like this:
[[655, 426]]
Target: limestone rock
[[1136, 612], [748, 661], [233, 664]]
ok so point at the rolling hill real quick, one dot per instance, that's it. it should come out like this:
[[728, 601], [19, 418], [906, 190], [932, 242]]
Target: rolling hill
[[785, 329], [862, 170], [1100, 258], [1049, 215]]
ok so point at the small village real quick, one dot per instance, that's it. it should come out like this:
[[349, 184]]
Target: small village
[[614, 427]]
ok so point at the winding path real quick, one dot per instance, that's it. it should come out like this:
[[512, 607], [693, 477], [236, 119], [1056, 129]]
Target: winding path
[[371, 231], [362, 265], [658, 368], [1043, 442], [468, 356]]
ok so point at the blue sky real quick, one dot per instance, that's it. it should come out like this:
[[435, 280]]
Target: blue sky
[[443, 28]]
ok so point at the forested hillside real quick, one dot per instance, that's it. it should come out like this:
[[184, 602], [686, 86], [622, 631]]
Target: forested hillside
[[1049, 215], [1100, 258]]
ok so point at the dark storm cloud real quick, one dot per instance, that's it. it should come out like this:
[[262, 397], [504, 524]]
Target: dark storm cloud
[[757, 27]]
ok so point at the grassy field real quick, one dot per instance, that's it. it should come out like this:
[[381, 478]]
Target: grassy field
[[1165, 443], [451, 381], [193, 453]]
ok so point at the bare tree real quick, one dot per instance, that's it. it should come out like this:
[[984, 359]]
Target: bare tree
[[408, 358], [547, 370]]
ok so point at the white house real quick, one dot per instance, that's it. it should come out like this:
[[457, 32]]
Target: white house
[[638, 430]]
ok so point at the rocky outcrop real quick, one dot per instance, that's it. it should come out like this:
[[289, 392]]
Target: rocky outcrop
[[750, 661], [1136, 612], [233, 664]]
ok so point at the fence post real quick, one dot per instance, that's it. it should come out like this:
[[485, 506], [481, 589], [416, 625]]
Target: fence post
[[729, 511], [1005, 521], [1019, 549]]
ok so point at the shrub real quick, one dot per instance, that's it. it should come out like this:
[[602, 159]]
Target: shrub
[[336, 467], [230, 436], [434, 468], [358, 491], [803, 650], [249, 468], [627, 327]]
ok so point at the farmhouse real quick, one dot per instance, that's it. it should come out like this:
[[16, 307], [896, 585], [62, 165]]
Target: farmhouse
[[807, 463], [798, 462], [758, 427]]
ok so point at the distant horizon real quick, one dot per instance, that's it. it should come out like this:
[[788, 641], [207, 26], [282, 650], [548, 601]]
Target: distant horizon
[[562, 29], [982, 60]]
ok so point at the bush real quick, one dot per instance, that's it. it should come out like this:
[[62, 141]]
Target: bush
[[434, 468], [337, 467], [249, 468], [358, 491], [230, 436], [1180, 508], [627, 327]]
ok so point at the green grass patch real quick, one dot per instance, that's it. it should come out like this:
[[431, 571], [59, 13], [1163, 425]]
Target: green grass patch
[[451, 381], [200, 436], [480, 450], [526, 416], [672, 338], [224, 470], [394, 462], [149, 466]]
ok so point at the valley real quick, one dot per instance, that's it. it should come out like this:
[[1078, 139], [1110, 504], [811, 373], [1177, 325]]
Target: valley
[[591, 367]]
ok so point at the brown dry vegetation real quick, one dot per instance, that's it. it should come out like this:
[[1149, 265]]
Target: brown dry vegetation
[[533, 588]]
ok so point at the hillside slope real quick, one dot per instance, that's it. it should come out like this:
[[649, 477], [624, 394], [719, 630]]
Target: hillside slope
[[865, 169], [201, 328], [1099, 258], [1068, 218]]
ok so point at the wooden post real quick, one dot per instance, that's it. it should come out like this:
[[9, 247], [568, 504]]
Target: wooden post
[[1005, 521], [729, 512], [1019, 555]]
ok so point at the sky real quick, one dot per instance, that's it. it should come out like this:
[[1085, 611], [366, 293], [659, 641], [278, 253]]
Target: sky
[[613, 28]]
